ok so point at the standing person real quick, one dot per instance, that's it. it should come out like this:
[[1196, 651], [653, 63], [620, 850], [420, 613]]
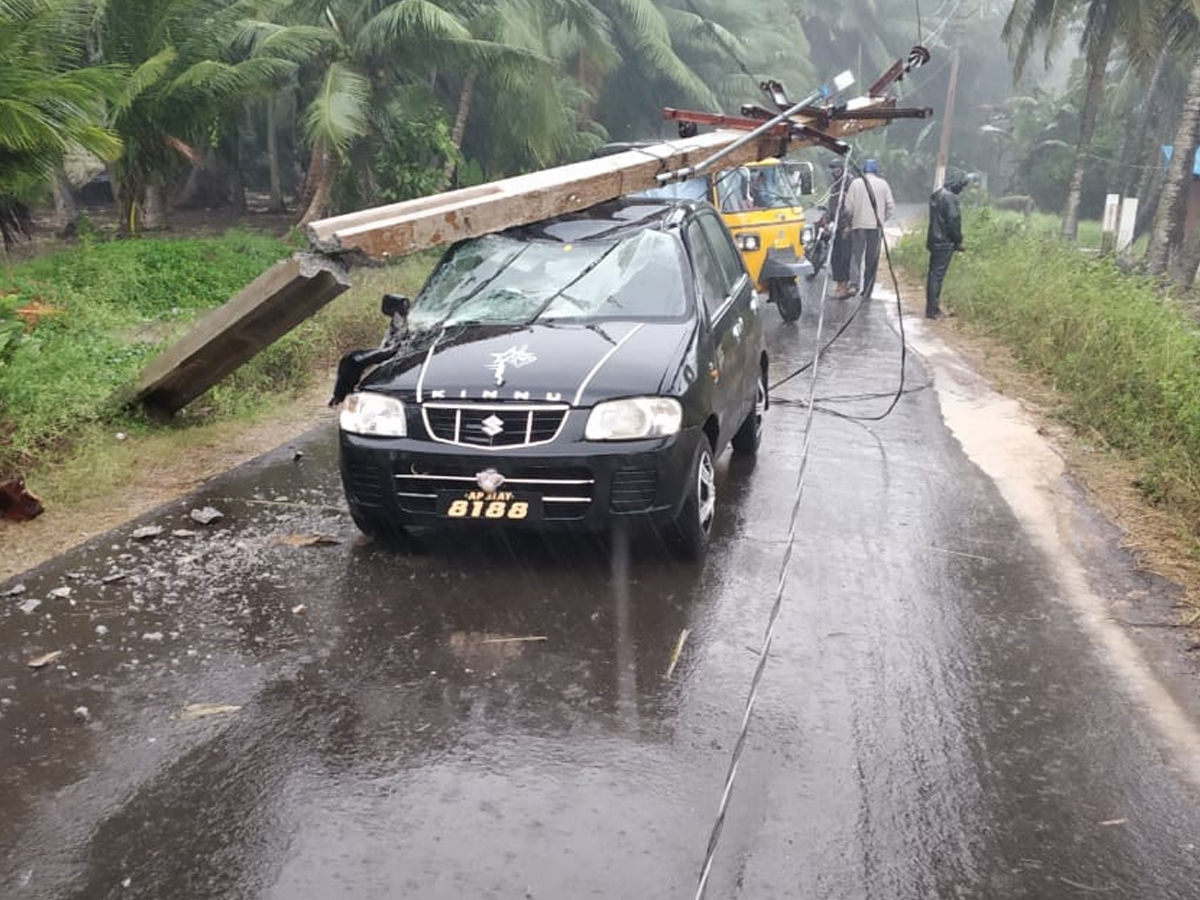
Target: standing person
[[944, 238], [839, 254], [869, 203]]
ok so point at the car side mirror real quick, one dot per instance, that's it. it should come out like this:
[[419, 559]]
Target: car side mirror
[[394, 304], [806, 182]]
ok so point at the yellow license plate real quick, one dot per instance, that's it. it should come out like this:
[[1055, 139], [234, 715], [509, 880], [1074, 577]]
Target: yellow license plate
[[498, 506]]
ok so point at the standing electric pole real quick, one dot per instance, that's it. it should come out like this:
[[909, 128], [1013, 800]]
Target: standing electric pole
[[948, 116]]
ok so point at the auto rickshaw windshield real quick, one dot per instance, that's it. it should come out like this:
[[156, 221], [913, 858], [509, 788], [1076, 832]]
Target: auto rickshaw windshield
[[755, 187]]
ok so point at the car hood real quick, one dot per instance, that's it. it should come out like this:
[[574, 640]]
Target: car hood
[[576, 364]]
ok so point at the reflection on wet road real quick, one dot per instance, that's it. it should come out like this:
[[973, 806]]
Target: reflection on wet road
[[489, 717]]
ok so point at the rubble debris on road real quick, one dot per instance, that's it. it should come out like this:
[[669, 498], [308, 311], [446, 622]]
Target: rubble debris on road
[[14, 591], [308, 540], [204, 710], [60, 593], [146, 532], [207, 516], [28, 606], [40, 662]]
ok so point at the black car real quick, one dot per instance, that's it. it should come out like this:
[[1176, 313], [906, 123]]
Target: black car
[[580, 371]]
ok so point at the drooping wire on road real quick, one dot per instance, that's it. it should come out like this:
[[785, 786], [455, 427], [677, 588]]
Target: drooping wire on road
[[764, 651], [900, 388]]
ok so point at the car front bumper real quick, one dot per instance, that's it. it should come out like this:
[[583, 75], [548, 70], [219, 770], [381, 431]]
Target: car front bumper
[[588, 485]]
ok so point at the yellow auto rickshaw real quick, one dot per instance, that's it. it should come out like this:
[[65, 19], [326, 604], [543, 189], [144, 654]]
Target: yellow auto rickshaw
[[761, 206]]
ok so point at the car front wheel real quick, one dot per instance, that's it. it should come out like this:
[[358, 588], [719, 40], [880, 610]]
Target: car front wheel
[[749, 435], [691, 531]]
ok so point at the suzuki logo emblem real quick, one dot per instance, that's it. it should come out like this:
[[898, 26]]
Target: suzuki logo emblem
[[492, 425]]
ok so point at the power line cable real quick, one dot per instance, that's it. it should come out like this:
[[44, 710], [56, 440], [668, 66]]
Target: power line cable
[[772, 620]]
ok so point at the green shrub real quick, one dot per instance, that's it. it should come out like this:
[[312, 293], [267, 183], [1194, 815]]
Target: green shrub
[[1125, 357]]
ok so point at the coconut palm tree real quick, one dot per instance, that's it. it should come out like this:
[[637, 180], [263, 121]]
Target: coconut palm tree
[[49, 104], [1167, 232], [1100, 21], [180, 87], [375, 47]]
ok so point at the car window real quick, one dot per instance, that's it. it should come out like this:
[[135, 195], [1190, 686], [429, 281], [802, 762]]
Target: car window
[[503, 279], [711, 283], [728, 259]]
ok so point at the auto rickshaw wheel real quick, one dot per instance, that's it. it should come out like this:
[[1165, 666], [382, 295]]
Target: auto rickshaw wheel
[[785, 294]]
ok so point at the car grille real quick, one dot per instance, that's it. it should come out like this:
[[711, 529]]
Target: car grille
[[494, 425], [633, 489], [566, 493]]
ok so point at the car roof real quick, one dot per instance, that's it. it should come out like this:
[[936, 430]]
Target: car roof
[[612, 219]]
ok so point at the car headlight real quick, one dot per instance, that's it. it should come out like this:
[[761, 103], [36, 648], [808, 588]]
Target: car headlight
[[374, 414], [747, 241], [634, 417], [806, 235]]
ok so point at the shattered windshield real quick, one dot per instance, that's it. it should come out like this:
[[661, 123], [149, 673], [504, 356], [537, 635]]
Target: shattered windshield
[[755, 187], [498, 279]]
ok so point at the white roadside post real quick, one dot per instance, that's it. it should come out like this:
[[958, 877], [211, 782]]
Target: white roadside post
[[1108, 227], [1129, 208]]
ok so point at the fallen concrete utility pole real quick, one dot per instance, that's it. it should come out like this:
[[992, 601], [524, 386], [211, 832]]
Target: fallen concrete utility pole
[[402, 228], [262, 312], [295, 289]]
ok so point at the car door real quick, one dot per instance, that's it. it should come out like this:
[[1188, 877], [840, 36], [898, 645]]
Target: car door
[[743, 321], [724, 299]]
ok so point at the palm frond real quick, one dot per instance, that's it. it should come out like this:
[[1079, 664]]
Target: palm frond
[[150, 73], [408, 21], [339, 113]]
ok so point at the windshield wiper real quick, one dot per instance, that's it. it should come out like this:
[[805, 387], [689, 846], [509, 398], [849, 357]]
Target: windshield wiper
[[562, 290]]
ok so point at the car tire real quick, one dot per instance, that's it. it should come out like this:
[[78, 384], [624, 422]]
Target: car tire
[[691, 531], [749, 435], [383, 531], [785, 294]]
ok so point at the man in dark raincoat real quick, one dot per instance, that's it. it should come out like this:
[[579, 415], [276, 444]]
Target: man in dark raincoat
[[944, 238]]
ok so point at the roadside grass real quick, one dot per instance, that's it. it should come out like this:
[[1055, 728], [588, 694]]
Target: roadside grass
[[76, 328], [1123, 357]]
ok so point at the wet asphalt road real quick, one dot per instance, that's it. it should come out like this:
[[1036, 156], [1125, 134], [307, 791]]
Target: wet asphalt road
[[488, 718]]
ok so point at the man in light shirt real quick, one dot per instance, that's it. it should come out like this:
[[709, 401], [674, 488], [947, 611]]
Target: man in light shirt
[[869, 203]]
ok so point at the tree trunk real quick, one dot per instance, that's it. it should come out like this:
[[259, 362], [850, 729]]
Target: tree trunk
[[66, 212], [1167, 232], [1097, 63], [465, 96], [1126, 176], [1184, 272], [275, 203], [154, 207], [1148, 203], [321, 170]]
